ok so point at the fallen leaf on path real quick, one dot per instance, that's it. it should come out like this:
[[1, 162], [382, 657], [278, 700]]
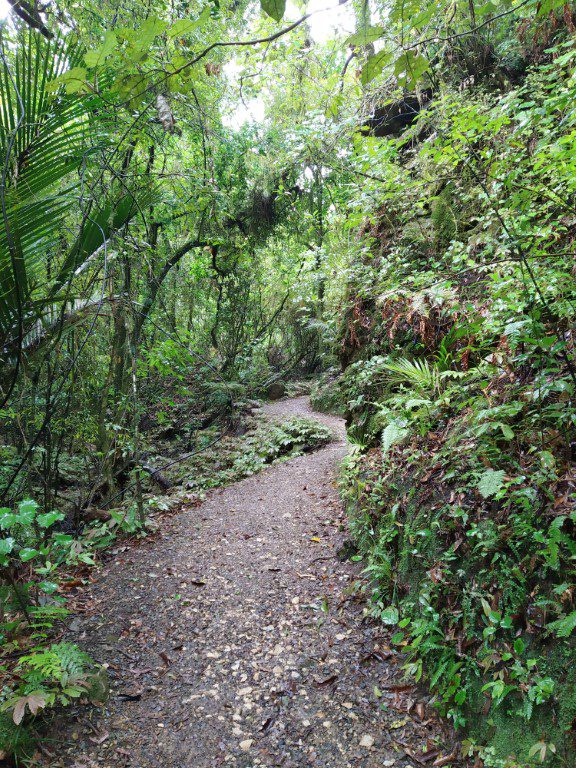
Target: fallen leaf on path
[[100, 738], [439, 762], [268, 723], [66, 585], [423, 758], [132, 694], [138, 671], [367, 741], [326, 681], [377, 656]]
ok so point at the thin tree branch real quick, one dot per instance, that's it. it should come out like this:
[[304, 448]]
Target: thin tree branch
[[30, 15]]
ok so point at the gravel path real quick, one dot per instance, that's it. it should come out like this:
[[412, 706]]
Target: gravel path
[[237, 640]]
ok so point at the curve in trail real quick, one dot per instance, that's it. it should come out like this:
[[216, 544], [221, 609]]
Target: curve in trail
[[236, 639]]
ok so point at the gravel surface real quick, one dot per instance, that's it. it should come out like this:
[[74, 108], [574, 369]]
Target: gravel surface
[[237, 639]]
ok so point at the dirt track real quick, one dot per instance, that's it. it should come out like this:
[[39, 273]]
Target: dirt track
[[236, 639]]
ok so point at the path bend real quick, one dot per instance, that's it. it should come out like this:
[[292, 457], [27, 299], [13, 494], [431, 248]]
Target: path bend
[[235, 639]]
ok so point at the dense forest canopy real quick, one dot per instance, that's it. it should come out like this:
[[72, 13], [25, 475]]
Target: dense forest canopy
[[205, 202]]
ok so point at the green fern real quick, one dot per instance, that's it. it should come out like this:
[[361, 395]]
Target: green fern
[[490, 482], [563, 627], [418, 374], [58, 664]]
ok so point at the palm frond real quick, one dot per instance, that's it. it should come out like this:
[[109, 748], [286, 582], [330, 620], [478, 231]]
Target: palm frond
[[46, 137], [418, 374]]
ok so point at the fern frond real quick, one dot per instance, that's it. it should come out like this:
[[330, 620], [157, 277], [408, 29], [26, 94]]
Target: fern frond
[[416, 373]]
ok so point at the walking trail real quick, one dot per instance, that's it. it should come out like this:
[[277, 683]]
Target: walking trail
[[237, 639]]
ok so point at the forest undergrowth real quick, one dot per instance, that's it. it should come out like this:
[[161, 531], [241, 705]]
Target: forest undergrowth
[[459, 382], [40, 669]]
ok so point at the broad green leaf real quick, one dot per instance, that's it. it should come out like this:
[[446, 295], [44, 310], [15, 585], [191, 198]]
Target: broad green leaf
[[365, 36], [48, 587], [7, 519], [547, 6], [141, 39], [27, 553], [390, 615], [97, 56], [375, 65], [6, 546], [183, 27], [27, 506], [152, 27], [409, 68], [424, 16], [27, 511], [534, 749], [45, 521], [507, 431], [519, 645], [490, 482], [73, 80], [391, 435], [274, 8]]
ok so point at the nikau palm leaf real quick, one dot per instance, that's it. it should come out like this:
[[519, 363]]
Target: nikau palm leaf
[[46, 137]]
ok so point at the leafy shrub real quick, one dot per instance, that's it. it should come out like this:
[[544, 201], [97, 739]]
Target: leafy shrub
[[38, 674], [326, 395], [48, 675], [472, 554]]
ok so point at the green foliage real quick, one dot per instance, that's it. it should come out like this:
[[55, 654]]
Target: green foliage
[[14, 739], [326, 395], [46, 136], [160, 262], [460, 395], [490, 482], [48, 675], [236, 458], [274, 8]]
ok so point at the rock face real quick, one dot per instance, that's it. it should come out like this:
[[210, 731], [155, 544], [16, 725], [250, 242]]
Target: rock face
[[391, 119], [276, 391]]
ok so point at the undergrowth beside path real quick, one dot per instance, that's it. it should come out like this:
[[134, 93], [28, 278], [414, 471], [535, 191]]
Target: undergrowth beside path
[[43, 668]]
